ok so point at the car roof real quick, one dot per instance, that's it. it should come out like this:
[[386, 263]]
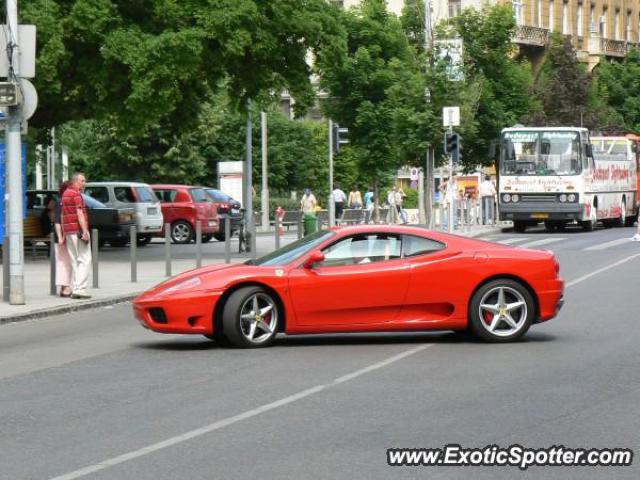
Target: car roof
[[172, 185], [116, 184]]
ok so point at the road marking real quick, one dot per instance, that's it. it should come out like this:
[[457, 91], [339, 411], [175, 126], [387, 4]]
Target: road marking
[[509, 241], [544, 241], [610, 244], [600, 270], [83, 472]]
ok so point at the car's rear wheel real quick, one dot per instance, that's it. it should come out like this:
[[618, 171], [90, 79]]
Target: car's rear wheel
[[143, 240], [250, 318], [181, 232], [501, 311], [219, 236]]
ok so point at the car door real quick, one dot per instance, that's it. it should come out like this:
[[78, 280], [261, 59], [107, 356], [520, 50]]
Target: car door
[[437, 280], [362, 281]]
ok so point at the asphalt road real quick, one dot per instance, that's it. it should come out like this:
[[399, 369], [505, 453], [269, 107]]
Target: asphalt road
[[93, 395]]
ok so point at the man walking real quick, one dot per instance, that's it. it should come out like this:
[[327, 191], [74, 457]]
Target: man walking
[[339, 197], [487, 195], [75, 226]]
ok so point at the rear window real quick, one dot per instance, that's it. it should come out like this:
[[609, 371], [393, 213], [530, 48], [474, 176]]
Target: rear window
[[166, 196], [146, 195], [218, 196], [198, 195], [124, 194], [99, 193]]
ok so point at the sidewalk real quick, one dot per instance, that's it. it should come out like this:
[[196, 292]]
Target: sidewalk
[[115, 285]]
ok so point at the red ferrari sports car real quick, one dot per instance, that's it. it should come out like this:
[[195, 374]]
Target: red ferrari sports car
[[362, 278]]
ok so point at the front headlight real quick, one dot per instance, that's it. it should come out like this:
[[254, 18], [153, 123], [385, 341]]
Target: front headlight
[[506, 198], [572, 197], [563, 198], [185, 284], [515, 197]]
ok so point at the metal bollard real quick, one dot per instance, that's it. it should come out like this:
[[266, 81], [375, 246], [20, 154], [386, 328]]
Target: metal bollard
[[227, 239], [300, 228], [277, 232], [53, 290], [167, 249], [198, 244], [95, 247], [5, 269], [133, 241]]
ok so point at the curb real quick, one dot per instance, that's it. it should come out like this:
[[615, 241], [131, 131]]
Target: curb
[[62, 309]]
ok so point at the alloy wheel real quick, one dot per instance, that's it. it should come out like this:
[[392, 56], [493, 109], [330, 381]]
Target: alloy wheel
[[258, 318], [503, 311]]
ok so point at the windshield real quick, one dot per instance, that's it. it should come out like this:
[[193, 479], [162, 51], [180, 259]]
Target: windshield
[[540, 153], [293, 251]]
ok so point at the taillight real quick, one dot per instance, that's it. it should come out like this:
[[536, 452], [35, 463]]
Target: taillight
[[223, 208]]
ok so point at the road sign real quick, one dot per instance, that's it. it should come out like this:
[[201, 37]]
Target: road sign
[[450, 116], [3, 165], [414, 174], [449, 50]]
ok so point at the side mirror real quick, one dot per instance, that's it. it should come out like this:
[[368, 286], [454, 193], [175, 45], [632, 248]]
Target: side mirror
[[315, 257], [589, 150]]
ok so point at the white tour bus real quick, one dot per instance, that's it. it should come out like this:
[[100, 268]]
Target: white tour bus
[[556, 175]]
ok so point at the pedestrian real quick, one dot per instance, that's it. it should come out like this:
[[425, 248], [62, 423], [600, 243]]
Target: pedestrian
[[355, 198], [368, 203], [75, 229], [339, 198], [63, 260], [308, 202], [403, 217], [392, 199], [487, 195]]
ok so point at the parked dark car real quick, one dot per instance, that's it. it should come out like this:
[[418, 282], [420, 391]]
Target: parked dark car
[[113, 224], [226, 205]]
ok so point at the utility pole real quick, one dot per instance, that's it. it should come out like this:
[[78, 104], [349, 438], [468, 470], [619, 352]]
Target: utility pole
[[331, 205], [13, 155], [264, 196], [249, 225], [430, 160]]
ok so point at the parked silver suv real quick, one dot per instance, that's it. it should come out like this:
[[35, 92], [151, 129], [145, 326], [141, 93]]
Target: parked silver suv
[[131, 194]]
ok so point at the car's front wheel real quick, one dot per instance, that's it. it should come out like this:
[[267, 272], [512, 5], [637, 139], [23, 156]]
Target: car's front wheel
[[501, 311], [181, 232], [250, 317]]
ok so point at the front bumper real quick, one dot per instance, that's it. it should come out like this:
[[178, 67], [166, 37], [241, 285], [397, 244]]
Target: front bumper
[[541, 211], [190, 313]]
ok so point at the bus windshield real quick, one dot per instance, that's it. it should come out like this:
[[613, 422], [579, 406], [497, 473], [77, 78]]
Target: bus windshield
[[540, 153]]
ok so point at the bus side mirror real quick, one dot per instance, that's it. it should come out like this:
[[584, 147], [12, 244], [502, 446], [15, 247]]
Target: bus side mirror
[[589, 150]]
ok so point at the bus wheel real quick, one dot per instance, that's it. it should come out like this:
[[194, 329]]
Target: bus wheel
[[631, 220], [622, 219], [519, 227], [590, 225]]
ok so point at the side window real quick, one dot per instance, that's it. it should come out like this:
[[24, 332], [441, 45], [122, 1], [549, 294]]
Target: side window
[[362, 249], [124, 194], [419, 245], [165, 196], [198, 195], [99, 193]]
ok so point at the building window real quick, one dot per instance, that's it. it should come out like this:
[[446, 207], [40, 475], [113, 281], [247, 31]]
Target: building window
[[593, 28], [627, 27], [540, 22], [616, 25], [455, 7], [603, 22], [565, 18], [551, 19], [517, 11], [579, 20]]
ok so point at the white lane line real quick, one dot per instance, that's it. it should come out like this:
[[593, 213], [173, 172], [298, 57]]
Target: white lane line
[[600, 270], [544, 241], [509, 241], [83, 472], [612, 243]]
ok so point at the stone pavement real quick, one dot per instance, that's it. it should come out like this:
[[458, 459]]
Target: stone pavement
[[115, 284]]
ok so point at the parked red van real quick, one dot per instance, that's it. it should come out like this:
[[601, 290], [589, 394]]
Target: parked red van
[[184, 205]]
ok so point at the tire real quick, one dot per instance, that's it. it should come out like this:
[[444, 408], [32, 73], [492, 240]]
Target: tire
[[206, 238], [622, 219], [554, 226], [631, 220], [119, 243], [220, 236], [218, 337], [181, 232], [590, 225], [512, 322], [519, 227], [250, 332], [143, 240]]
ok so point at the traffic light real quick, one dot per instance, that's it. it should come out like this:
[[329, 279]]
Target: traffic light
[[340, 137], [453, 146]]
